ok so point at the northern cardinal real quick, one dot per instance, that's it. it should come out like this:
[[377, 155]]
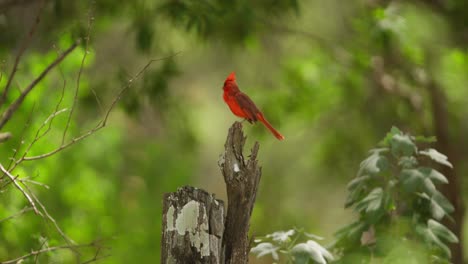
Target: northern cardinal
[[242, 106]]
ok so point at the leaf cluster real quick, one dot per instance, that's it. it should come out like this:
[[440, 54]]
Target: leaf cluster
[[287, 244], [396, 197]]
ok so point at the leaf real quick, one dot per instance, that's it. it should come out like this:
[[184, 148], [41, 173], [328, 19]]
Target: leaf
[[439, 205], [443, 202], [402, 145], [313, 250], [434, 175], [374, 163], [372, 202], [351, 231], [281, 236], [313, 236], [264, 249], [407, 162], [441, 231], [423, 139], [393, 131], [436, 156], [357, 181], [437, 234], [413, 180], [432, 238]]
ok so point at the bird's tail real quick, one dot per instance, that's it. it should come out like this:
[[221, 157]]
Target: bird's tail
[[268, 125]]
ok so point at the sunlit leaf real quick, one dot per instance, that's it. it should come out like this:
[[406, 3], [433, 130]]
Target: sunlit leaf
[[357, 182], [264, 249], [393, 131], [436, 156], [402, 145], [434, 175], [414, 180], [407, 162], [375, 163], [281, 236], [441, 231], [313, 250], [372, 202], [424, 139], [351, 232]]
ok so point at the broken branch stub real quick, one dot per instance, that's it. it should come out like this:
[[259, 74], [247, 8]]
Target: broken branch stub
[[193, 226], [242, 179]]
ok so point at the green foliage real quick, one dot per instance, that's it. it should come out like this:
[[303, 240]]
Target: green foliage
[[287, 244], [309, 65], [231, 22], [395, 195]]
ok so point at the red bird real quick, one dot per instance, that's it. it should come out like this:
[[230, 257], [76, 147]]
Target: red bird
[[242, 106]]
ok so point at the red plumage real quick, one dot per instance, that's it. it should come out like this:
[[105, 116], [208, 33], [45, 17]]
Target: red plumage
[[242, 106]]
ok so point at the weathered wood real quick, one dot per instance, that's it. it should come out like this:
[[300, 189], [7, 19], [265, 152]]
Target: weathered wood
[[193, 226], [242, 179]]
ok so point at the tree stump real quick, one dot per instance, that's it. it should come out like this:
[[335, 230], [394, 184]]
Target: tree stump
[[242, 179], [193, 226], [194, 230]]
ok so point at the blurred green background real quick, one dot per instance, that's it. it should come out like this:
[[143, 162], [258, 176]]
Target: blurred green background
[[333, 76]]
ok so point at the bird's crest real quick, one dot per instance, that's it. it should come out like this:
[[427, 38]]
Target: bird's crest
[[231, 77]]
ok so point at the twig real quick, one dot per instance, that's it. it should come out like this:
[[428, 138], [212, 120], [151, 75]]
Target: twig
[[102, 123], [34, 182], [20, 142], [24, 210], [44, 241], [77, 89], [51, 219], [14, 106], [51, 249], [38, 136], [28, 197], [23, 47]]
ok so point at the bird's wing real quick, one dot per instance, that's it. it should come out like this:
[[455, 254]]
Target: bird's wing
[[247, 106]]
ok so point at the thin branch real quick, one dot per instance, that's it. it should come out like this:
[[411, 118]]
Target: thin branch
[[102, 123], [24, 210], [36, 258], [77, 89], [23, 180], [51, 219], [23, 133], [14, 106], [22, 49], [37, 137], [28, 197], [51, 249]]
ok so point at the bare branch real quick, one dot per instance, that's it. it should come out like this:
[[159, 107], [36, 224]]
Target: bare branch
[[102, 123], [38, 136], [28, 197], [24, 210], [77, 89], [14, 106], [35, 253], [23, 47], [20, 142], [51, 219]]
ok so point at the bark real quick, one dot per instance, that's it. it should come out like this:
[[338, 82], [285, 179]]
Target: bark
[[242, 179], [193, 225]]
